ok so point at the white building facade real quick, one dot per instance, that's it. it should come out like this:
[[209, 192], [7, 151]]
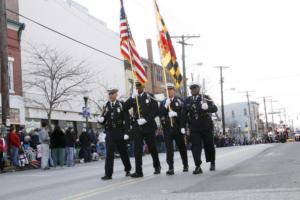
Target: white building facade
[[237, 119], [73, 20]]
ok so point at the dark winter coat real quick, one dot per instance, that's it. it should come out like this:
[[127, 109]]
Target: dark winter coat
[[58, 139]]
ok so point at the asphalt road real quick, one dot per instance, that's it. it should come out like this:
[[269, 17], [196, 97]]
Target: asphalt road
[[250, 172]]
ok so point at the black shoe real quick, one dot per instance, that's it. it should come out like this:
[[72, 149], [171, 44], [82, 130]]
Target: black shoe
[[106, 178], [157, 170], [185, 168], [198, 170], [170, 172], [128, 174], [212, 167], [137, 175]]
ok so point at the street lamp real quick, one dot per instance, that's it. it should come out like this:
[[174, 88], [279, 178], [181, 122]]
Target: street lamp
[[192, 65], [195, 64], [185, 78], [85, 98], [239, 129]]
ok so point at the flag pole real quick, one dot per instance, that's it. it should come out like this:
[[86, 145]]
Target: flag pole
[[131, 64], [164, 68], [166, 87], [135, 80]]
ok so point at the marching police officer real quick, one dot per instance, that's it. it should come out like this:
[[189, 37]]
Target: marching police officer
[[145, 109], [196, 113], [170, 114], [117, 123]]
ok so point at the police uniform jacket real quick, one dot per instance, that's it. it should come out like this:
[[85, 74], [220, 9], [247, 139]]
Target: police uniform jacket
[[116, 118], [198, 119], [148, 108], [176, 106]]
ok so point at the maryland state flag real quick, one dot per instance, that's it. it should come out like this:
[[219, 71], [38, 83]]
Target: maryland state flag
[[169, 59]]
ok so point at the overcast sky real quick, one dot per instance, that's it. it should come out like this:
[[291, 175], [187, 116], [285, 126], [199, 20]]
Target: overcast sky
[[258, 39]]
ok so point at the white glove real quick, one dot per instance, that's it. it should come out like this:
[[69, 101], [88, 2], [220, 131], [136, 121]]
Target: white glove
[[126, 137], [172, 114], [204, 106], [101, 119], [141, 121], [134, 94], [168, 102], [182, 131]]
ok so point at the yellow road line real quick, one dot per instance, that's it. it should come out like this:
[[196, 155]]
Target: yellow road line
[[114, 187], [97, 189], [110, 187]]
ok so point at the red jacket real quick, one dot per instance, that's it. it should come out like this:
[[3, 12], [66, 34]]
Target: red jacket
[[14, 140], [3, 146]]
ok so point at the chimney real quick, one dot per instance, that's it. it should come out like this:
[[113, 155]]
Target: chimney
[[149, 50], [150, 58]]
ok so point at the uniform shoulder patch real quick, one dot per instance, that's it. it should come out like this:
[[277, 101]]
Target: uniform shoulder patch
[[179, 100]]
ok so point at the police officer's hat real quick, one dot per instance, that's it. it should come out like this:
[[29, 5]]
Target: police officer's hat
[[170, 86], [112, 90], [194, 85], [139, 84]]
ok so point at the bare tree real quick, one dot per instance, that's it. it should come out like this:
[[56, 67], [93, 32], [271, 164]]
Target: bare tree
[[56, 76], [100, 98]]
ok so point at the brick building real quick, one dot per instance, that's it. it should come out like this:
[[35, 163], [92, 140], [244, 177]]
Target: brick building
[[14, 31], [156, 82]]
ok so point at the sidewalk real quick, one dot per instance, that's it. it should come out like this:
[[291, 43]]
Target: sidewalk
[[9, 168]]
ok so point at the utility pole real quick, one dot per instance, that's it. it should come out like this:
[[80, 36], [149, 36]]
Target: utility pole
[[272, 112], [266, 113], [4, 64], [249, 110], [255, 121], [284, 114], [222, 96], [182, 41]]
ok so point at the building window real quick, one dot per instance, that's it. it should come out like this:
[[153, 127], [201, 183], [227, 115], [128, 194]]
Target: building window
[[11, 74], [158, 75], [131, 84], [245, 112], [232, 114]]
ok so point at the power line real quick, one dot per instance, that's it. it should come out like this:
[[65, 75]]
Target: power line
[[182, 41], [66, 36]]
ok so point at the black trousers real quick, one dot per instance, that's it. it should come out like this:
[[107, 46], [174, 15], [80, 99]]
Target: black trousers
[[86, 154], [1, 161], [171, 135], [113, 144], [205, 139], [139, 136]]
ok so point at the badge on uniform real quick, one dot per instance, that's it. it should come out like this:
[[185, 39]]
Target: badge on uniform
[[118, 110], [147, 101], [176, 104]]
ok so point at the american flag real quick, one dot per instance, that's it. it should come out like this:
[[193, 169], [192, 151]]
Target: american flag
[[128, 48]]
